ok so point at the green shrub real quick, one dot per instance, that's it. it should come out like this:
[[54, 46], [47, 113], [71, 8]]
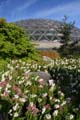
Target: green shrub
[[14, 43]]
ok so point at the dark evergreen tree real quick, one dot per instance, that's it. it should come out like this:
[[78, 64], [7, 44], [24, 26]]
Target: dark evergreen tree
[[65, 30], [67, 48]]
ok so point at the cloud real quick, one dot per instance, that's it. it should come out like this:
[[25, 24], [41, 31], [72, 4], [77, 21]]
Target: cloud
[[71, 9], [26, 5], [23, 7]]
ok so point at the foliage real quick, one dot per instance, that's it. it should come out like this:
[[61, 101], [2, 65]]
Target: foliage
[[3, 64], [2, 22], [66, 72], [66, 30], [14, 43], [30, 97], [70, 50], [69, 47]]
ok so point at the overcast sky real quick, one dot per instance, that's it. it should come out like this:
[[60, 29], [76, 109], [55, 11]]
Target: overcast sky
[[14, 10]]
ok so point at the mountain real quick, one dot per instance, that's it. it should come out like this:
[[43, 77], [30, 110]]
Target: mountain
[[44, 29]]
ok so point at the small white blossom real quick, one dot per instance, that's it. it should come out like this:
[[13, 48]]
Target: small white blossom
[[61, 93], [36, 78], [8, 85], [51, 98], [63, 103], [55, 113], [44, 94], [15, 107], [39, 100], [69, 117], [16, 96], [31, 104], [48, 116], [16, 114], [7, 90], [10, 111], [51, 82], [43, 110], [27, 71], [41, 80], [28, 83], [57, 100], [20, 82], [22, 100], [56, 106], [33, 95]]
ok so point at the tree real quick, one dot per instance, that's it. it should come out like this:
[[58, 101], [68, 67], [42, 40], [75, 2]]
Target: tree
[[2, 21], [66, 49], [65, 30], [14, 43]]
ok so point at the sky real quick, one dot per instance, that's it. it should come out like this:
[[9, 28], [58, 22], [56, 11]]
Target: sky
[[14, 10]]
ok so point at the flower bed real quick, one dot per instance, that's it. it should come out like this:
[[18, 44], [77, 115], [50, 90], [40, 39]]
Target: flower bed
[[24, 97]]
